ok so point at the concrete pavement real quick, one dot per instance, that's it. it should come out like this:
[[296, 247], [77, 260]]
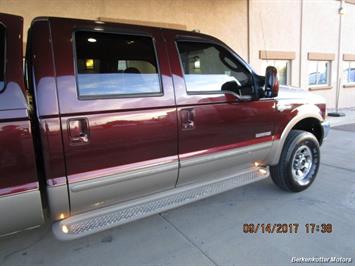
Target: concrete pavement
[[210, 232]]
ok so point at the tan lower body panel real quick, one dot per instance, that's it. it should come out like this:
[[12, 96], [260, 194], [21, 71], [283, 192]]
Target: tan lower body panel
[[20, 211], [58, 201], [104, 191], [105, 218], [123, 186], [225, 163]]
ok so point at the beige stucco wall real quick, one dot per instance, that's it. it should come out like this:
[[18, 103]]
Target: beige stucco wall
[[284, 25], [275, 26], [320, 34], [224, 19], [347, 95]]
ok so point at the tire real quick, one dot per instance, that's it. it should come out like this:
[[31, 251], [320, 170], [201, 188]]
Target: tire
[[299, 162]]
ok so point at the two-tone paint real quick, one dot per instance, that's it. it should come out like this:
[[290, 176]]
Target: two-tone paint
[[133, 147], [115, 145]]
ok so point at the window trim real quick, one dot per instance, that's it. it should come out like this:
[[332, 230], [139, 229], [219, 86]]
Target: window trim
[[5, 56], [277, 55], [349, 85], [116, 96], [201, 40], [348, 57], [315, 56]]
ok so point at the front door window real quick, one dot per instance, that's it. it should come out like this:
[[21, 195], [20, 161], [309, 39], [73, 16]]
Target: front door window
[[208, 68]]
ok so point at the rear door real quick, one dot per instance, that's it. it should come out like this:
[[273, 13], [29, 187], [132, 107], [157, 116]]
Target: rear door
[[118, 112], [20, 199], [218, 134]]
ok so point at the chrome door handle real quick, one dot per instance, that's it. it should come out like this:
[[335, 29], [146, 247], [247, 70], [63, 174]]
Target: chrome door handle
[[78, 129], [187, 119], [83, 137], [188, 124]]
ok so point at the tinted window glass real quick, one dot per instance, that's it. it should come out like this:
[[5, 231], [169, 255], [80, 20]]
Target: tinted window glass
[[112, 64], [2, 56], [208, 67]]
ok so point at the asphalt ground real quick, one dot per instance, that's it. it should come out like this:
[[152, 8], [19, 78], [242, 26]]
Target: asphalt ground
[[210, 232]]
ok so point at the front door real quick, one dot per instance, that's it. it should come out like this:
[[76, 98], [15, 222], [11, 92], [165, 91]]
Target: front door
[[219, 135]]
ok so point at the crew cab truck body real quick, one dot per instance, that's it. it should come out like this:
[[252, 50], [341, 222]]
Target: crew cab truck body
[[117, 122]]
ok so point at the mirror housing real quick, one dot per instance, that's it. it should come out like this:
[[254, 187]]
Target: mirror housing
[[231, 86], [271, 88]]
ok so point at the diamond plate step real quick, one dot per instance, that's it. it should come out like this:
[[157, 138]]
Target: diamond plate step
[[102, 219]]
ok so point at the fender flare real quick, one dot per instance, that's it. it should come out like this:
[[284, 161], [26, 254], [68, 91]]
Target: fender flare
[[303, 112]]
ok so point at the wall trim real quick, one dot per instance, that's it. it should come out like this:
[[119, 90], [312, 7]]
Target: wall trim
[[320, 88], [349, 57], [321, 56], [349, 85], [350, 2], [276, 55]]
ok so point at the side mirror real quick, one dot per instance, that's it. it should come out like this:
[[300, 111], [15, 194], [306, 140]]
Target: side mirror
[[231, 86], [242, 98], [271, 82]]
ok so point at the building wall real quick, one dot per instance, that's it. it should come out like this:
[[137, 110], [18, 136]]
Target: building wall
[[248, 26], [347, 95], [224, 19], [320, 34], [304, 26], [273, 27]]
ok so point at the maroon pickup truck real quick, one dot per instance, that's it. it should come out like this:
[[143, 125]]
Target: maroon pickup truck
[[105, 123]]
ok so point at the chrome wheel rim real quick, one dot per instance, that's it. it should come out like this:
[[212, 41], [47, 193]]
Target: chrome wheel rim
[[301, 165]]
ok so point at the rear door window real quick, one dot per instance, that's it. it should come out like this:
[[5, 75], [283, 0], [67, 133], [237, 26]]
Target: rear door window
[[2, 56], [116, 65]]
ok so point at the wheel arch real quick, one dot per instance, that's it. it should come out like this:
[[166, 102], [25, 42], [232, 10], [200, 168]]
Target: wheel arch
[[308, 118], [311, 125]]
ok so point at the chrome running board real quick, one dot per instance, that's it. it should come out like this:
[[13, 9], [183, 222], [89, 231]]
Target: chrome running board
[[102, 219]]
